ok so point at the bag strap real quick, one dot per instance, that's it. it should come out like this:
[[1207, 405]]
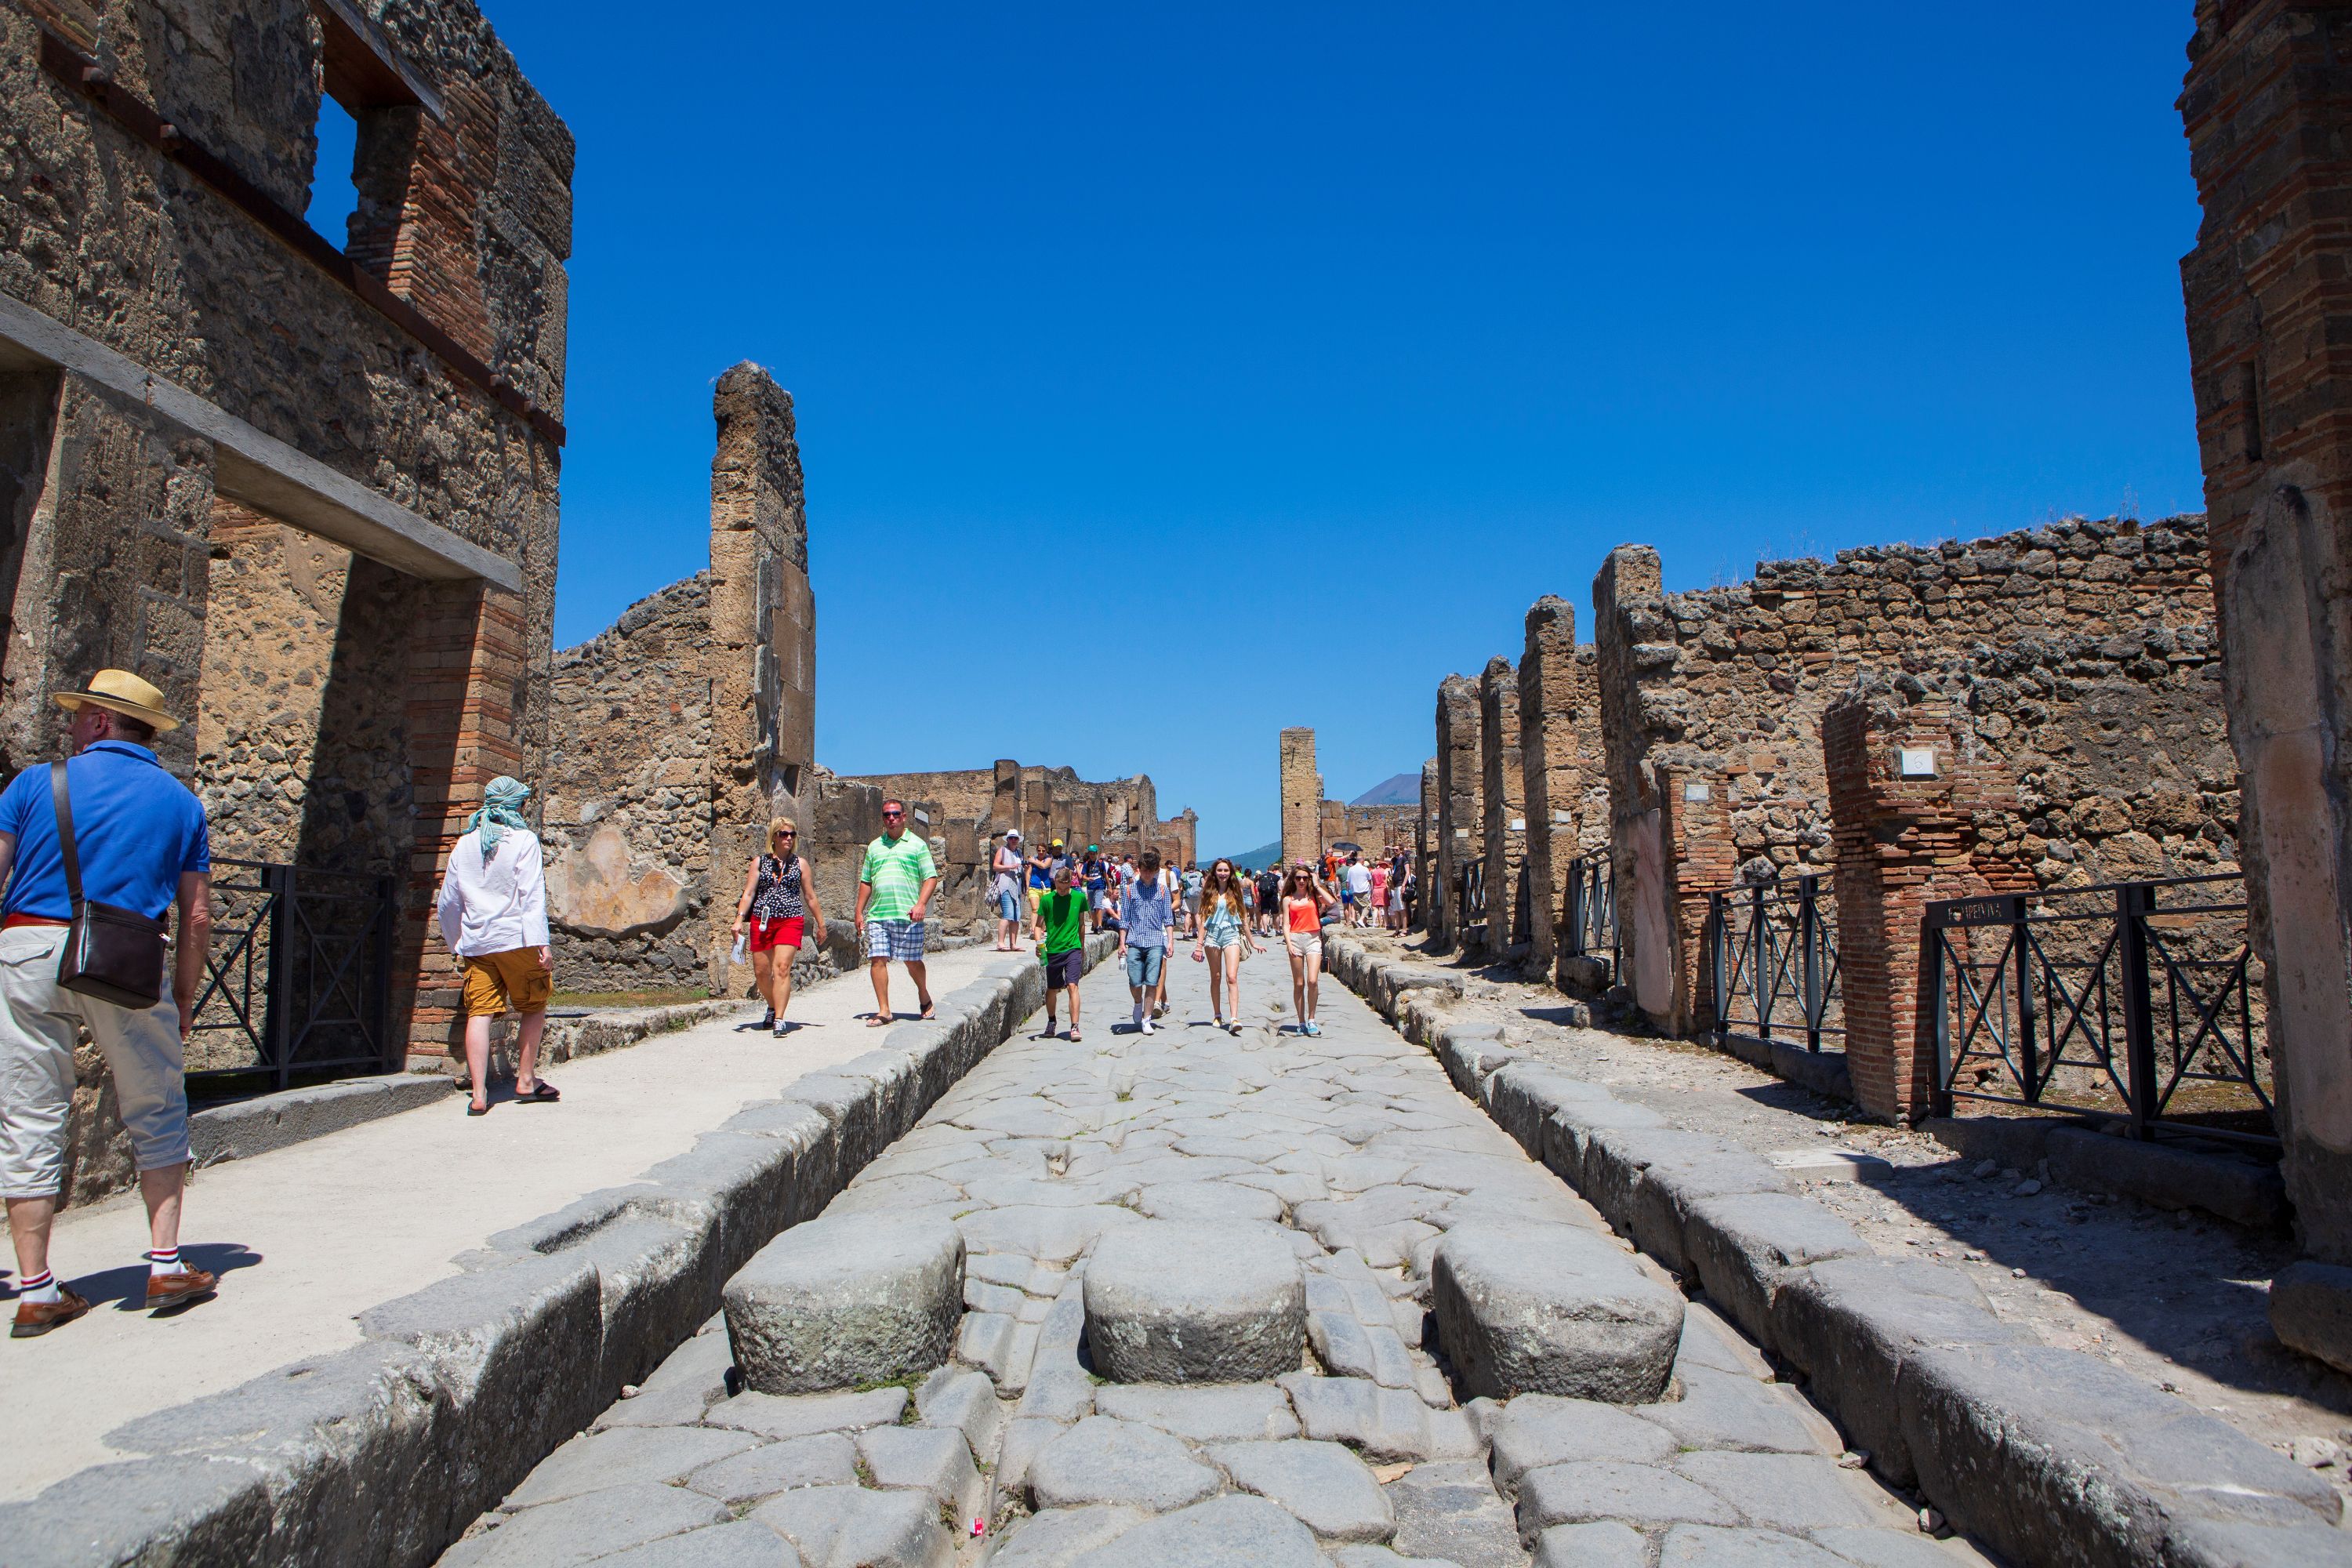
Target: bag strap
[[61, 798]]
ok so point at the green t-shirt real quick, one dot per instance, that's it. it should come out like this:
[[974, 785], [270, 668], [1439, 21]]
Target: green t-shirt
[[897, 872], [1065, 915]]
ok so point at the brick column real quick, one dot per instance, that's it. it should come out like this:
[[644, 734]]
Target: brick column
[[1901, 844], [1552, 790], [1695, 835], [1458, 816], [466, 665], [1424, 847], [1302, 798], [1502, 779], [2267, 107]]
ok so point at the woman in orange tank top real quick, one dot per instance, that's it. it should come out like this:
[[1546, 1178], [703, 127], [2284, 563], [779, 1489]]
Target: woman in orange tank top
[[1303, 903]]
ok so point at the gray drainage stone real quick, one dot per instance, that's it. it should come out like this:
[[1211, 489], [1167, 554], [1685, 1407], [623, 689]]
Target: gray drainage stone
[[843, 1300], [777, 1416], [1186, 1301], [826, 1459], [1228, 1532], [1327, 1488], [1101, 1460], [1552, 1309], [851, 1527]]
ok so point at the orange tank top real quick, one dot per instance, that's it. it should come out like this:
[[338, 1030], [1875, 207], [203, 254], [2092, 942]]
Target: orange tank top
[[1303, 917]]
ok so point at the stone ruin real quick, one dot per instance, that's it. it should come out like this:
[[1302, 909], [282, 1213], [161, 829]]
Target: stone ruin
[[2071, 676], [1311, 823]]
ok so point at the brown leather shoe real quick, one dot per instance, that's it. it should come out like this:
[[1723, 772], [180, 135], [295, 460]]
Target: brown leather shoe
[[37, 1318], [187, 1285]]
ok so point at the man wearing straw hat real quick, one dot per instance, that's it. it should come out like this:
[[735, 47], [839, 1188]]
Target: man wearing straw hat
[[138, 844]]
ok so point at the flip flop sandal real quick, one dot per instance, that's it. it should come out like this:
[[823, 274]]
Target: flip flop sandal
[[541, 1093], [473, 1109]]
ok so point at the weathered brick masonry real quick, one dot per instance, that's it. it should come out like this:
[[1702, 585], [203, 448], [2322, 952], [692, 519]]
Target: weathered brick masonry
[[2082, 654], [234, 456], [1459, 820], [1502, 779], [2268, 109], [1565, 786]]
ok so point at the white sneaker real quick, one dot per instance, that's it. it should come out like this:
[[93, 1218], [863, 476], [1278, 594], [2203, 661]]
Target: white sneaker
[[1147, 1025]]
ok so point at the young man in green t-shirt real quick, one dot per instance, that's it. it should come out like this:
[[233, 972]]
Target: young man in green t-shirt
[[1059, 929]]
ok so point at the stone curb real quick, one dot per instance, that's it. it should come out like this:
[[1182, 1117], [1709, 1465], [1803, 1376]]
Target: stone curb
[[1902, 1351], [1824, 1072], [384, 1453]]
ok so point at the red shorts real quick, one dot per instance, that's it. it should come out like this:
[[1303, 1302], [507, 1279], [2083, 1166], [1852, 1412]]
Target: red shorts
[[766, 933]]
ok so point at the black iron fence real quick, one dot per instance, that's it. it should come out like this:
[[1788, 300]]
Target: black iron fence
[[2136, 1001], [1590, 926], [1772, 950], [297, 981]]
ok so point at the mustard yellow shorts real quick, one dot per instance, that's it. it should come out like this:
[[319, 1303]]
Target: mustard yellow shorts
[[496, 981]]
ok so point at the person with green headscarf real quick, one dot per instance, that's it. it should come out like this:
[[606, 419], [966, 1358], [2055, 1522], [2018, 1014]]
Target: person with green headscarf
[[493, 915]]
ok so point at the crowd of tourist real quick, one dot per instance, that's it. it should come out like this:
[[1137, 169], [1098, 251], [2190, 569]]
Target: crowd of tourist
[[1061, 893]]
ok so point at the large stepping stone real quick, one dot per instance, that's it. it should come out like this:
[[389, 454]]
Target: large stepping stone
[[1190, 1301], [1101, 1460], [1224, 1533], [845, 1300], [1552, 1309]]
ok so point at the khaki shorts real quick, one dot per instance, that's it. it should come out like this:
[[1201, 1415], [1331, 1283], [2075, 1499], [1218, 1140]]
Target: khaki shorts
[[142, 1047], [496, 981]]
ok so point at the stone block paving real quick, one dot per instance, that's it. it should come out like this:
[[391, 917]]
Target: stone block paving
[[1350, 1152]]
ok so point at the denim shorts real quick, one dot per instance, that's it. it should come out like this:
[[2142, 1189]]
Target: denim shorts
[[1008, 906], [1144, 964]]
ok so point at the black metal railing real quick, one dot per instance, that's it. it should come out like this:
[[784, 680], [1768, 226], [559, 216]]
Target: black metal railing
[[2103, 1000], [1588, 927], [1772, 950], [297, 980]]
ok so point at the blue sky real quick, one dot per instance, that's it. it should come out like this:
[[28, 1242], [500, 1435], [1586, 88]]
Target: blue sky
[[1167, 378]]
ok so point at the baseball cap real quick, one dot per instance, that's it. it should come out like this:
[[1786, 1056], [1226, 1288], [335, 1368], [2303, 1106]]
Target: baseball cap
[[1094, 849], [1058, 844]]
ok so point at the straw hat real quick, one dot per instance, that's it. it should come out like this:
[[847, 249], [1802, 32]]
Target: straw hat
[[123, 693]]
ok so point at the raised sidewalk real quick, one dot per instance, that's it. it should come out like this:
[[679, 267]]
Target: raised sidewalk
[[307, 1238]]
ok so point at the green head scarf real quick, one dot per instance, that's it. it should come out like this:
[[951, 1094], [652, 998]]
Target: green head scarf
[[501, 809]]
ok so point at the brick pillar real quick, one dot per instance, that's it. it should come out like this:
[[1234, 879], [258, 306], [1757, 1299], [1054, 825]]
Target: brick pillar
[[1302, 798], [1902, 843], [1502, 779], [1424, 847], [466, 666], [1551, 789], [1694, 816], [1458, 814], [2268, 107]]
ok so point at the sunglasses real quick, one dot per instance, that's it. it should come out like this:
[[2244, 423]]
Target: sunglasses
[[787, 833], [888, 814]]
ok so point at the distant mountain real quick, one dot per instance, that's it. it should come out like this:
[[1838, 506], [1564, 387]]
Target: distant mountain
[[1256, 860], [1404, 789]]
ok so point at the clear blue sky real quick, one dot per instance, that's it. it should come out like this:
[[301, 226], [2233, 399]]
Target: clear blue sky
[[1168, 378]]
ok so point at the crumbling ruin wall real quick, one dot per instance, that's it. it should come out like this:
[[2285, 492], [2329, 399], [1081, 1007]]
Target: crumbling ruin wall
[[1302, 798], [1371, 829], [1459, 819], [410, 368], [2084, 654], [1502, 779], [1564, 793], [2270, 347], [627, 816], [965, 813]]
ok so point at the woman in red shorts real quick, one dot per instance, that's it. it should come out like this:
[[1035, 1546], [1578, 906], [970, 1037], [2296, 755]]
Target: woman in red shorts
[[779, 900]]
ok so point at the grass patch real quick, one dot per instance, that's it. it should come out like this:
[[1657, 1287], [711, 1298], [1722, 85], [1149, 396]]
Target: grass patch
[[629, 998]]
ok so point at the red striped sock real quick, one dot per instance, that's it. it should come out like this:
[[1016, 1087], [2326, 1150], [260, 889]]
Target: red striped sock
[[41, 1286], [164, 1262]]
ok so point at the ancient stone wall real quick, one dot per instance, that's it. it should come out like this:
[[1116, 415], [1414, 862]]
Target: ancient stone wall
[[629, 812], [2266, 106], [1459, 819], [1564, 786], [154, 158], [1371, 829], [1502, 781], [1302, 798], [2088, 660]]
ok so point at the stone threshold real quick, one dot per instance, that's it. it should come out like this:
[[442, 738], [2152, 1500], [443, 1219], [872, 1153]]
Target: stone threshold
[[2044, 1454], [384, 1453]]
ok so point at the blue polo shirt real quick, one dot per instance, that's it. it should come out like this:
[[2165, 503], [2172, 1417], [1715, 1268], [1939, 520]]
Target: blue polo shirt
[[136, 828]]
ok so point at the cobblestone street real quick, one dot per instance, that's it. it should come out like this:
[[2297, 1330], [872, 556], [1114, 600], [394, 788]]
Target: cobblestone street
[[1352, 1153]]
